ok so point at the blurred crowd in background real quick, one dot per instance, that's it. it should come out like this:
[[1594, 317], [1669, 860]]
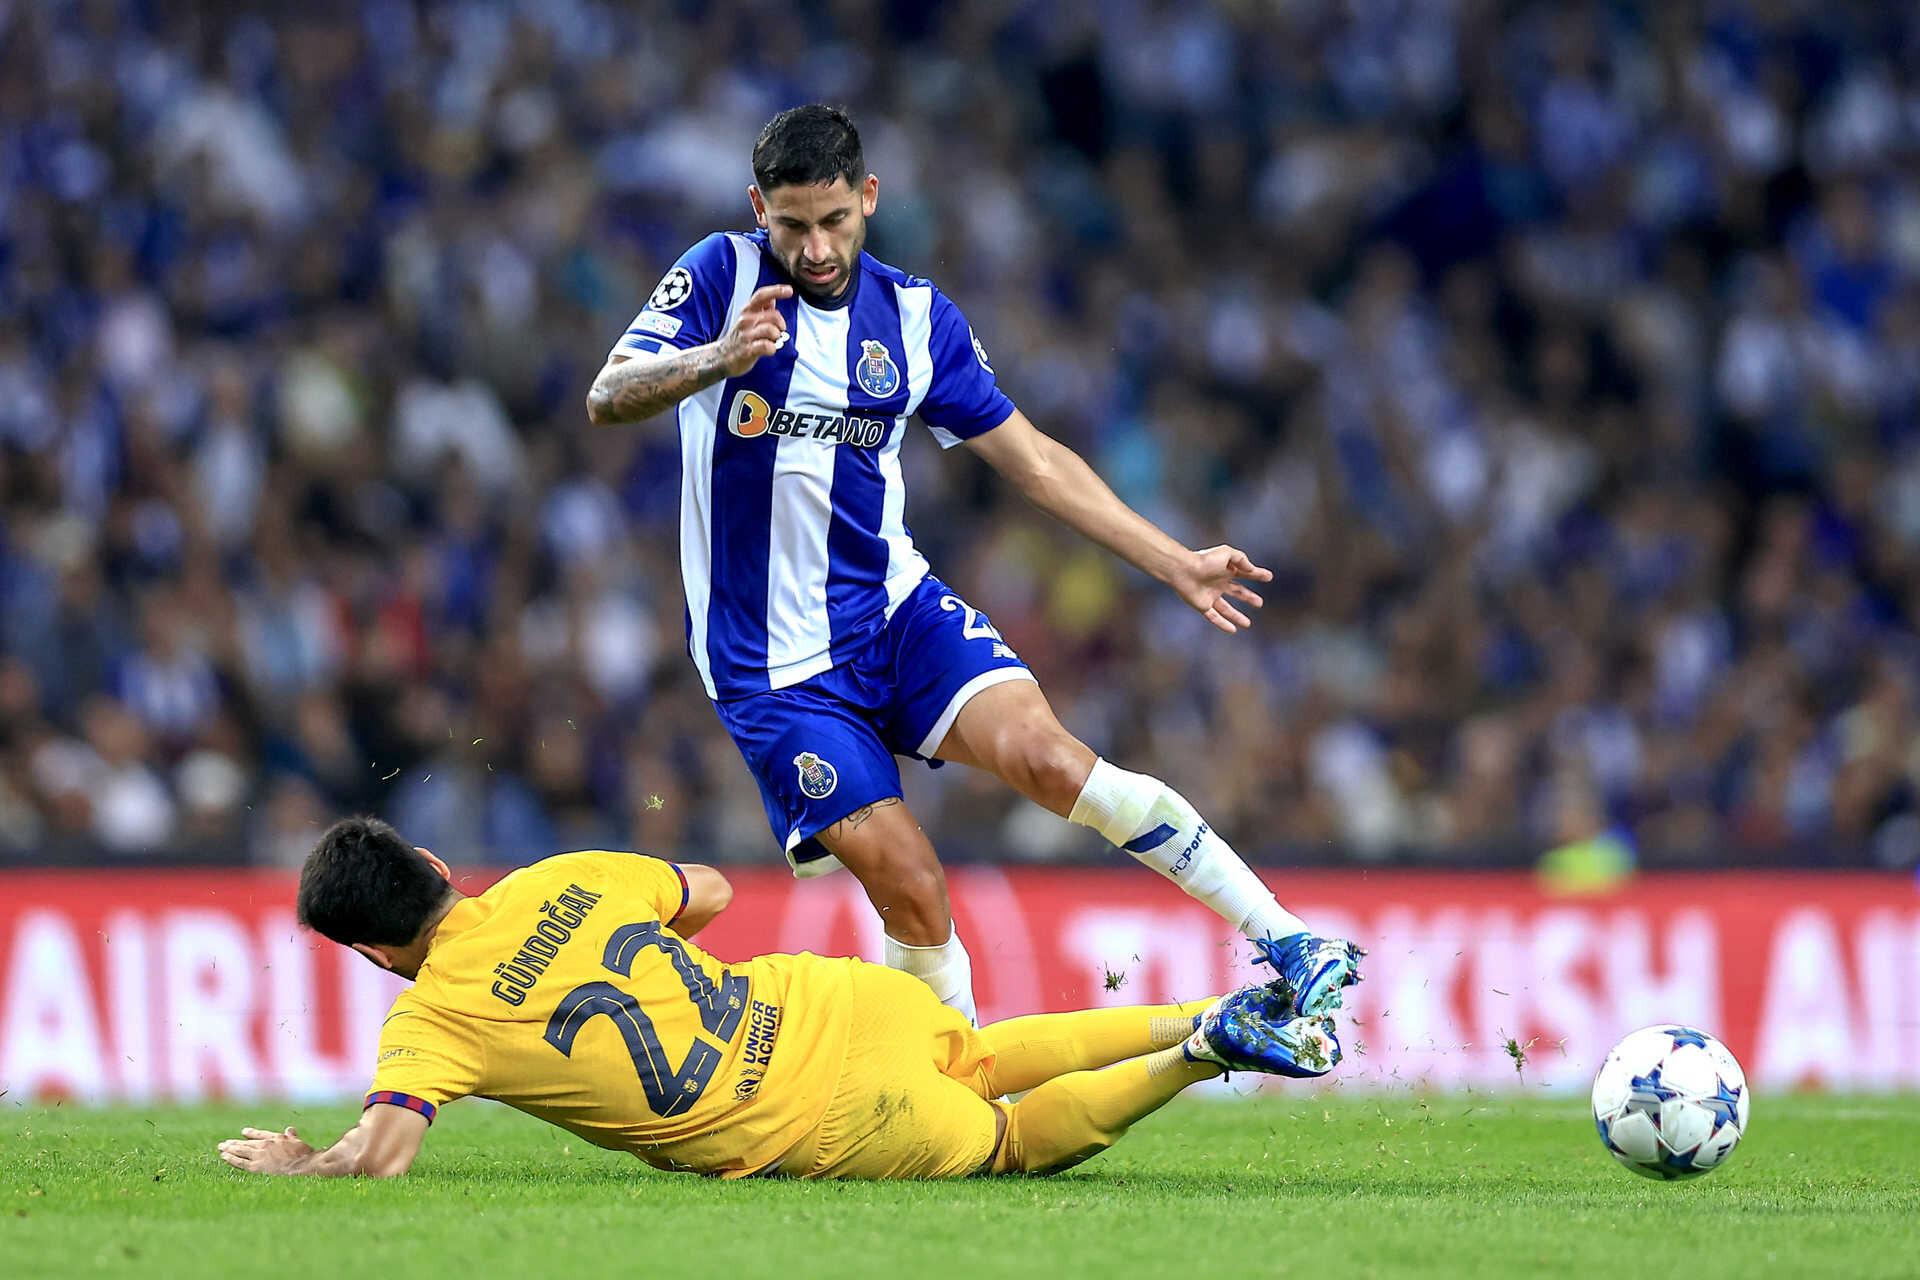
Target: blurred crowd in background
[[1561, 359]]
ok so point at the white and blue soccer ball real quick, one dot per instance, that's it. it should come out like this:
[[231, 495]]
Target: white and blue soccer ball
[[1670, 1102]]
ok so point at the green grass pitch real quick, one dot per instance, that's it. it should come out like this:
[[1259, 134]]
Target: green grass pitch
[[1313, 1185]]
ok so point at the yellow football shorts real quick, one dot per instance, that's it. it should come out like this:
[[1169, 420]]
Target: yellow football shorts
[[908, 1102]]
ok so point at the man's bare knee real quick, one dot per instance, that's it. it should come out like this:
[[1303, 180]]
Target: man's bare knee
[[912, 902], [1049, 767], [1062, 766]]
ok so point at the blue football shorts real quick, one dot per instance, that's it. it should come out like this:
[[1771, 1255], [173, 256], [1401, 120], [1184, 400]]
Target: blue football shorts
[[825, 747]]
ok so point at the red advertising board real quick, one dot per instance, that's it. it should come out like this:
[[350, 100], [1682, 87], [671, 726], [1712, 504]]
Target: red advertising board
[[152, 985]]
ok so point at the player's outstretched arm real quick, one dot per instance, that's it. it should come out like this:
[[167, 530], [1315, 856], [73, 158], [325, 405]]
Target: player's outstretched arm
[[382, 1145], [1059, 482], [708, 894], [635, 389]]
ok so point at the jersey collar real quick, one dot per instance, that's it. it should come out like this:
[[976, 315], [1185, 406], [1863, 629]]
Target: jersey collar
[[464, 914]]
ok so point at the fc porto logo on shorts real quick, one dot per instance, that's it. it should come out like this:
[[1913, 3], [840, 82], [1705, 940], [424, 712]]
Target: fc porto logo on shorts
[[817, 777], [878, 375], [672, 290]]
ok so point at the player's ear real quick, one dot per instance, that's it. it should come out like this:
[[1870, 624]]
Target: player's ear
[[375, 954], [759, 203], [869, 196], [446, 873]]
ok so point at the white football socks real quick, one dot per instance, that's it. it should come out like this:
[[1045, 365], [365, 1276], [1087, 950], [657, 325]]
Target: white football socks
[[1154, 823], [947, 968]]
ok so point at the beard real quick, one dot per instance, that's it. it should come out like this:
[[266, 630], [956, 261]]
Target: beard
[[822, 290], [833, 286]]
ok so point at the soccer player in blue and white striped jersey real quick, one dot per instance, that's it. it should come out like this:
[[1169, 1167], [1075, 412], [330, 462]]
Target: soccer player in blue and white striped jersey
[[825, 641]]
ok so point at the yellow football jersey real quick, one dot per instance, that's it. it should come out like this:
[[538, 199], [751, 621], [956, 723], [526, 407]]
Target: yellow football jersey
[[563, 991]]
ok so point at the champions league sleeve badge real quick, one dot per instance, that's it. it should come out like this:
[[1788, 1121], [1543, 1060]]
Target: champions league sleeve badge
[[817, 777], [673, 289], [877, 374]]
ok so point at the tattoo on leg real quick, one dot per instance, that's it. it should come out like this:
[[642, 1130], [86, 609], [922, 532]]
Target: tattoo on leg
[[858, 816]]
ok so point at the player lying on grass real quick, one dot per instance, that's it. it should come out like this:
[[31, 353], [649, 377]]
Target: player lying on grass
[[792, 360], [568, 991]]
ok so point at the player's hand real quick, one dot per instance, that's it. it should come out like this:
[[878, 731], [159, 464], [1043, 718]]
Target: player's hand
[[1207, 582], [264, 1151], [760, 331]]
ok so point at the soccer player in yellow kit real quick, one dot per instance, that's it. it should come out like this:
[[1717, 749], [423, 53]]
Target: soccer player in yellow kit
[[569, 991]]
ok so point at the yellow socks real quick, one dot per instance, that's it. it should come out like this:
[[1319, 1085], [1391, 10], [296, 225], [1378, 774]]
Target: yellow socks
[[1079, 1115], [1030, 1051]]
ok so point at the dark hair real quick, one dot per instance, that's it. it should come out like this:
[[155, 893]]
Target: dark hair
[[806, 146], [363, 883]]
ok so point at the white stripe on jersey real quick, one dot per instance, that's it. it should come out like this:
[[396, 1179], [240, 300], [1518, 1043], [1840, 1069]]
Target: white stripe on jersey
[[699, 419], [916, 335], [799, 635], [905, 565]]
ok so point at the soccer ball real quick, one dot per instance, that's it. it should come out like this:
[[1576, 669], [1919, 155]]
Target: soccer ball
[[1670, 1102]]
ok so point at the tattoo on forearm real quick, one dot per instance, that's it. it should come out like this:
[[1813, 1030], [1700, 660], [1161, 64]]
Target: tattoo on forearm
[[858, 816], [638, 389]]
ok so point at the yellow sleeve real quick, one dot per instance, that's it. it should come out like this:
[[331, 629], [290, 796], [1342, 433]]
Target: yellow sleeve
[[426, 1060], [662, 886], [657, 887]]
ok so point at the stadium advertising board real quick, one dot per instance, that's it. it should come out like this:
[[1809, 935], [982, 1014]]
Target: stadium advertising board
[[184, 985]]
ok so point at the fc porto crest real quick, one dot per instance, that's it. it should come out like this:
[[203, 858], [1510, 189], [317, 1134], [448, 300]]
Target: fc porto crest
[[817, 777], [879, 377]]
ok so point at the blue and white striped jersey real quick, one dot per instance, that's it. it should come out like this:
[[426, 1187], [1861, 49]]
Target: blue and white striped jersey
[[793, 545]]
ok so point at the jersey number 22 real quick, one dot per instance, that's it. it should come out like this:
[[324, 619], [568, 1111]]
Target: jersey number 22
[[669, 1090]]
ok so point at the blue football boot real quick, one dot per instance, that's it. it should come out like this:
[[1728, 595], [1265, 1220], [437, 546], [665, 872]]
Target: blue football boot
[[1315, 968], [1258, 1029]]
